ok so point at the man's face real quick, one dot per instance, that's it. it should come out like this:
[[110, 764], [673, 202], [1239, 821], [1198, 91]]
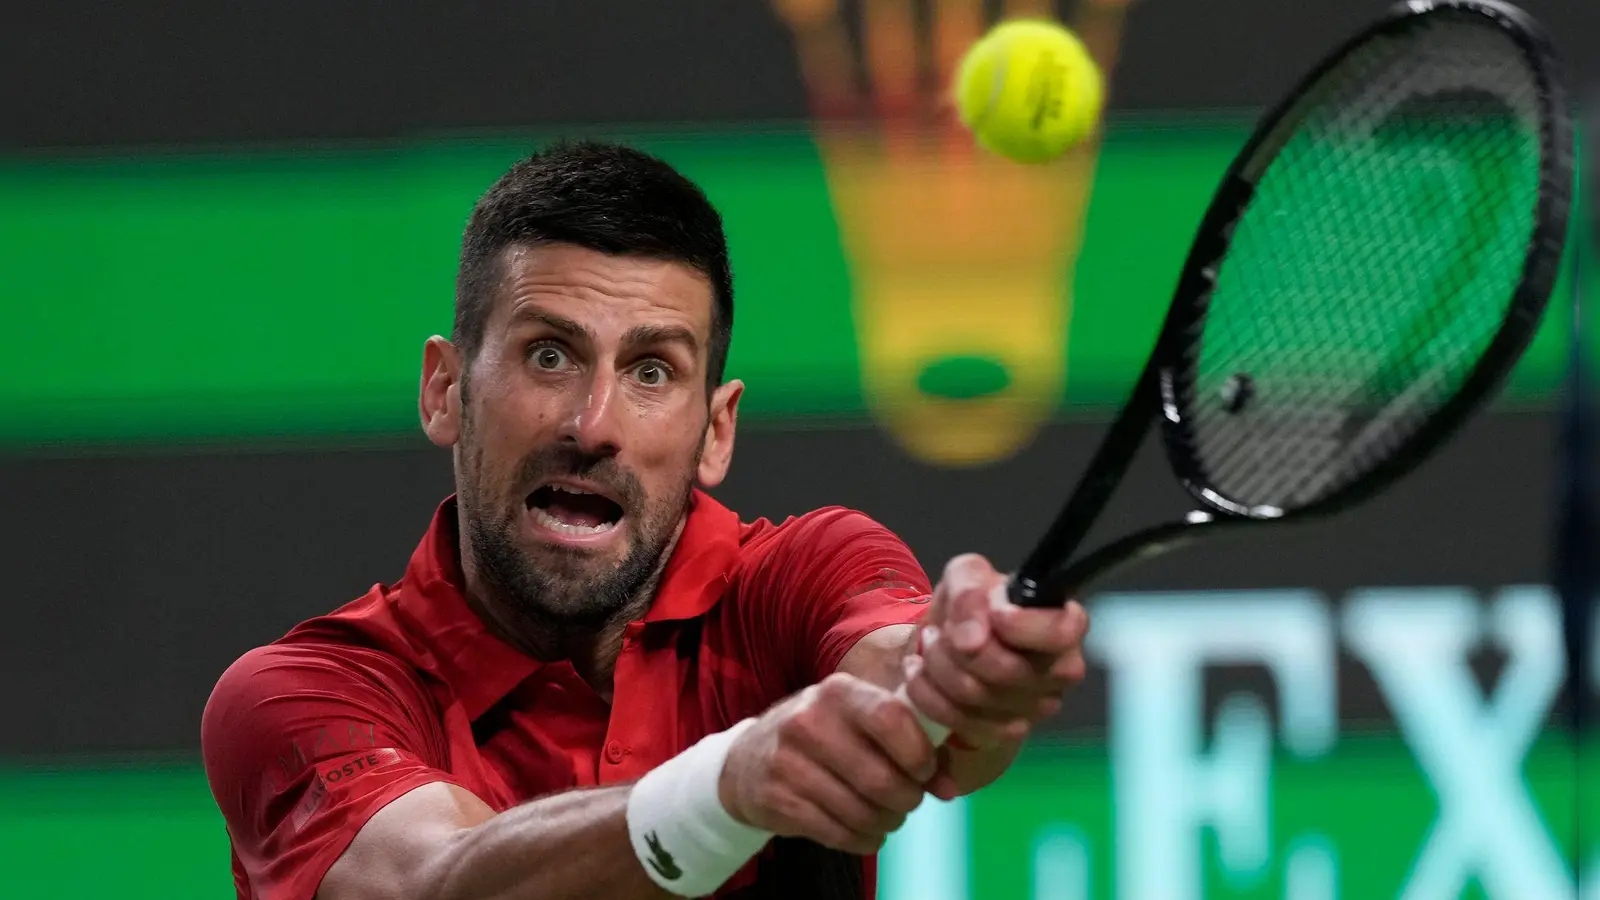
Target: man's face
[[583, 425]]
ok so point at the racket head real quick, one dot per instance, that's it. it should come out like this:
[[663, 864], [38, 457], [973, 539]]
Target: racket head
[[1373, 265]]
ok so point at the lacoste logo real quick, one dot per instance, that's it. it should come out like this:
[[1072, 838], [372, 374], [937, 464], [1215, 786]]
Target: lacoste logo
[[661, 860]]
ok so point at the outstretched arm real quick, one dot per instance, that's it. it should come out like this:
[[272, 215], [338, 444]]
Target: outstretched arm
[[440, 842], [840, 763]]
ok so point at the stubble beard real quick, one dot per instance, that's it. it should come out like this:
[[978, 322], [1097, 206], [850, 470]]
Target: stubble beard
[[556, 591]]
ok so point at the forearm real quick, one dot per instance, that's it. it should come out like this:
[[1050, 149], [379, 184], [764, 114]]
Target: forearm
[[573, 845], [671, 828]]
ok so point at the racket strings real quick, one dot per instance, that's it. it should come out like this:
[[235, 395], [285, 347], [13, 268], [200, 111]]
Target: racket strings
[[1373, 266]]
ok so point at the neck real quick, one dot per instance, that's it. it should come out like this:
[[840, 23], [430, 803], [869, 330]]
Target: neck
[[594, 654], [592, 650]]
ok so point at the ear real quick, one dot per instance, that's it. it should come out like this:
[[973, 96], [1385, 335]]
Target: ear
[[717, 451], [439, 400]]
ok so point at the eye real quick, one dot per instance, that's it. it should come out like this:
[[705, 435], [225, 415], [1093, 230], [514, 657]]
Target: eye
[[653, 373], [548, 356]]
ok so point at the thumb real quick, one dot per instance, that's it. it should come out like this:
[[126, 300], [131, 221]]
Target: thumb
[[968, 583]]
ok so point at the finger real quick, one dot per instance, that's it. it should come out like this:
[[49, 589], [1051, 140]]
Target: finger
[[971, 589], [853, 752], [1000, 666], [877, 716], [893, 730], [820, 776], [973, 697], [944, 787], [1050, 631], [1069, 669], [889, 794], [810, 820], [926, 698], [1048, 706], [937, 672], [979, 733]]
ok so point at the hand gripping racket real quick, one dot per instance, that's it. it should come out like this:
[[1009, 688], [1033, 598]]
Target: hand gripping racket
[[1374, 263]]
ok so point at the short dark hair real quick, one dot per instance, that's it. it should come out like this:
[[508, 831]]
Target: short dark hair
[[604, 197]]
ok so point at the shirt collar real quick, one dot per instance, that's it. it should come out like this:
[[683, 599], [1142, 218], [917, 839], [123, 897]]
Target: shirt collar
[[701, 567], [480, 667]]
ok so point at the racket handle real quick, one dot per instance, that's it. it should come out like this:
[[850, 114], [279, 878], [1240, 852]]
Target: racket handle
[[935, 732]]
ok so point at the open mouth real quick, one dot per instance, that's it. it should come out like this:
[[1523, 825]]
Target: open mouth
[[567, 509]]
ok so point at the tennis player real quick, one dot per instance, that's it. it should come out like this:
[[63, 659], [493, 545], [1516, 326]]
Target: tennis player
[[593, 680]]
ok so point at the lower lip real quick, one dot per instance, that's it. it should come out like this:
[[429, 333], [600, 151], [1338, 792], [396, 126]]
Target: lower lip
[[568, 539]]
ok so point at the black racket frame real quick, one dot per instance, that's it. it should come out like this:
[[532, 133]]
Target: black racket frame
[[1047, 578]]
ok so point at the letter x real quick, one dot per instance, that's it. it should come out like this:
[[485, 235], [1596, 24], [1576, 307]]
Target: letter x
[[1416, 643]]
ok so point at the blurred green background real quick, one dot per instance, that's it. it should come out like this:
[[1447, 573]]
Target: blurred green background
[[223, 240]]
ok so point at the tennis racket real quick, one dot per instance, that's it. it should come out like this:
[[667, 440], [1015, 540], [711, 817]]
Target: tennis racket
[[1375, 261]]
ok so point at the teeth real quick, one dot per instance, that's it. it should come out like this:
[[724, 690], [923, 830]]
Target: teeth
[[555, 524], [576, 492]]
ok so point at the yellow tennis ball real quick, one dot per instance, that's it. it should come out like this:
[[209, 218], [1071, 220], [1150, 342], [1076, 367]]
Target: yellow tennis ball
[[1029, 90]]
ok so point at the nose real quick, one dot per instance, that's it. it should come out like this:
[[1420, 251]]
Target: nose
[[592, 420]]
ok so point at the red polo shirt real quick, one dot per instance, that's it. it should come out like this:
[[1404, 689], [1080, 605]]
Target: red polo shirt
[[306, 738]]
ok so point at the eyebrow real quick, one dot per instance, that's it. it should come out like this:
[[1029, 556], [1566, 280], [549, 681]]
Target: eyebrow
[[524, 314], [650, 335], [637, 336]]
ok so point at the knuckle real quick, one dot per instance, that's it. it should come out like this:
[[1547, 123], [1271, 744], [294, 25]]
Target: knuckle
[[852, 815], [782, 768], [931, 702], [936, 705], [1011, 668], [966, 688], [799, 728], [805, 700], [855, 816], [1079, 617], [892, 822], [866, 845], [1073, 669], [836, 685], [1072, 627], [779, 803], [965, 563], [888, 715], [877, 784], [967, 572], [904, 800]]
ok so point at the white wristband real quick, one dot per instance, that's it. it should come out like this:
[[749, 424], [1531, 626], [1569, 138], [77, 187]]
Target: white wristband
[[686, 840]]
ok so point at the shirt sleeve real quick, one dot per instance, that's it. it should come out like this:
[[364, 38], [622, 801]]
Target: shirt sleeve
[[829, 579], [302, 745]]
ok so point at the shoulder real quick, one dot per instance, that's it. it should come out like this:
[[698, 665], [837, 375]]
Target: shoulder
[[810, 587], [828, 552], [289, 668], [345, 663], [828, 528]]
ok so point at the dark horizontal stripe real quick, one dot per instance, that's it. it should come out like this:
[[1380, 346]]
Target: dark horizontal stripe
[[83, 74], [132, 581]]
